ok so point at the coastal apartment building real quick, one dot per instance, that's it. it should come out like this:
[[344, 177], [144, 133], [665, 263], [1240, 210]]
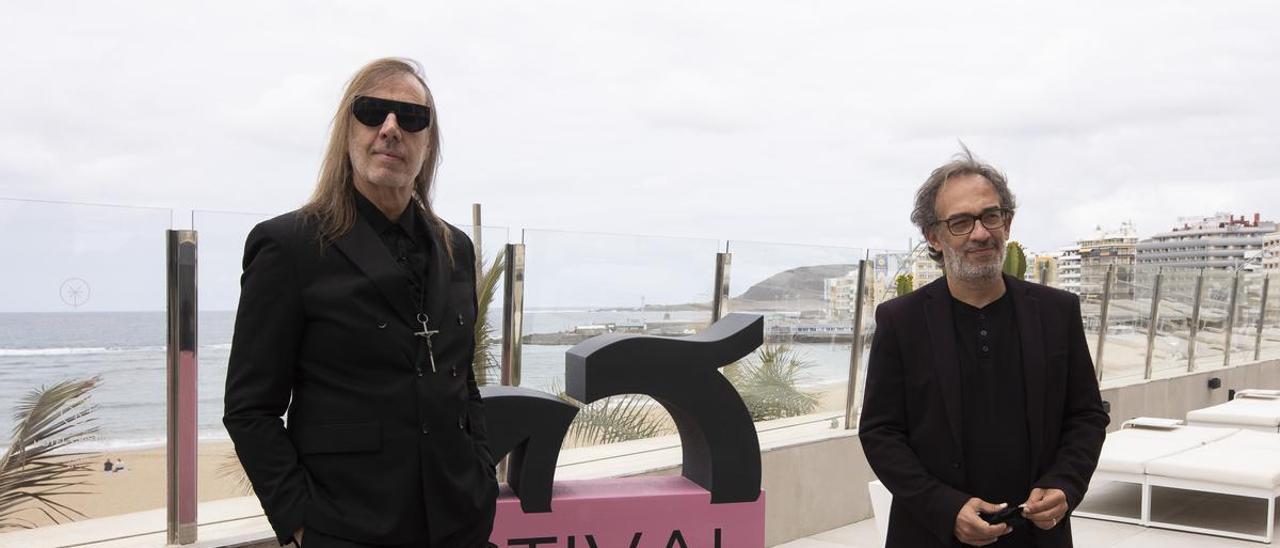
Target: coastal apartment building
[[1068, 269], [1271, 253], [1098, 253], [1044, 269], [1221, 241], [924, 270]]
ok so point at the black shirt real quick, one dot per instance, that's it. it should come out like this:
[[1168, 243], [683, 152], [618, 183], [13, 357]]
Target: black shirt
[[407, 240], [996, 443]]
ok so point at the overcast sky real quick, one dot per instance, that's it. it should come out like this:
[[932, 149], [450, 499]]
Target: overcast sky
[[805, 122]]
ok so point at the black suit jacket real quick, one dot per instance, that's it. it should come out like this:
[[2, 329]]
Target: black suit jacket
[[911, 414], [378, 449]]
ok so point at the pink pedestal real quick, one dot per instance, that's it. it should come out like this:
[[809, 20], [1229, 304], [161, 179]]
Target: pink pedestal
[[644, 512]]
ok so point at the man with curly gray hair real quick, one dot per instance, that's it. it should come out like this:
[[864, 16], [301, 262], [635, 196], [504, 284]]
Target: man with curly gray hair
[[982, 414]]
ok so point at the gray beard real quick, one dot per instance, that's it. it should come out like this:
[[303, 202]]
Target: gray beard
[[966, 271]]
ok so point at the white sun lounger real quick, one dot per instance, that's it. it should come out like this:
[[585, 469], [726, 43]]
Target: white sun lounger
[[1127, 452], [1251, 409], [1246, 464]]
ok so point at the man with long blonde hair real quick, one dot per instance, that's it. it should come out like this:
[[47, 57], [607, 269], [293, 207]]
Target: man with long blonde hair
[[357, 317]]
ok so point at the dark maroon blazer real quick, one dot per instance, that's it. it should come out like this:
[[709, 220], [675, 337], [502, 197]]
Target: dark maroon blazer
[[911, 416]]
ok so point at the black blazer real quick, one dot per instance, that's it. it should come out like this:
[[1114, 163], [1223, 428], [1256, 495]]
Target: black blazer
[[378, 449], [910, 425]]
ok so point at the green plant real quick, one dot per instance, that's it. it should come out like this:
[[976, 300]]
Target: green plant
[[613, 419], [36, 467], [486, 363], [1015, 260], [904, 284], [769, 381]]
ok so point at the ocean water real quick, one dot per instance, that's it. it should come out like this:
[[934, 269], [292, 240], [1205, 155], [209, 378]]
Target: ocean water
[[127, 350]]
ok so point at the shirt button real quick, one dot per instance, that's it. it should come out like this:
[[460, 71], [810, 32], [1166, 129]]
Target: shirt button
[[955, 465], [459, 319], [425, 430], [985, 349], [461, 424]]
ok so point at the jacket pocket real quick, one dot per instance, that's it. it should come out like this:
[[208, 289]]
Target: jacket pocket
[[338, 437]]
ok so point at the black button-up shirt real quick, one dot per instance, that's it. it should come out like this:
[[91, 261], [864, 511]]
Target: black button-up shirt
[[996, 443], [408, 241]]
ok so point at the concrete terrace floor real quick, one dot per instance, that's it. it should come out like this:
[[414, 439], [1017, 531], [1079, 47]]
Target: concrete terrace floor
[[1088, 533]]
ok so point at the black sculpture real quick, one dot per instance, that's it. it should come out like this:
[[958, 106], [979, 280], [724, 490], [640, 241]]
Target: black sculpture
[[530, 426], [717, 437]]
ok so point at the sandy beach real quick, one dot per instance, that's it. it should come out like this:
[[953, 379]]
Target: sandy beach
[[141, 486]]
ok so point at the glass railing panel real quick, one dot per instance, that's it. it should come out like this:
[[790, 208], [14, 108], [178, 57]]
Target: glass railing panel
[[1171, 348], [82, 298], [1214, 306], [491, 297], [1124, 358], [807, 295], [220, 238], [1271, 322], [580, 285], [1244, 339]]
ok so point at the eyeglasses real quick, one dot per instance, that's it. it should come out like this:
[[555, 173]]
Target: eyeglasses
[[372, 112], [963, 223]]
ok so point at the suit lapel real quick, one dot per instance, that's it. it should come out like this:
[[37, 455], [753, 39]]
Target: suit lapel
[[937, 313], [439, 275], [362, 246], [1027, 310]]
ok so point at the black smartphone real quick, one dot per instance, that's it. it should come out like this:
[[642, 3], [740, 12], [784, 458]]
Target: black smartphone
[[1011, 515]]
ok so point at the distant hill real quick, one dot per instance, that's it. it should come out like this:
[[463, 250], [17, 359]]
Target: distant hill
[[800, 288], [803, 283]]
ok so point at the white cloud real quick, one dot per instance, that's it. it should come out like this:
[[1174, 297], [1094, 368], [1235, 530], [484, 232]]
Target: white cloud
[[807, 122]]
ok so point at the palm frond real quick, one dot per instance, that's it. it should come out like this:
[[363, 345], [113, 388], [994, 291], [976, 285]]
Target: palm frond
[[231, 469], [485, 362], [769, 382], [35, 466], [613, 419]]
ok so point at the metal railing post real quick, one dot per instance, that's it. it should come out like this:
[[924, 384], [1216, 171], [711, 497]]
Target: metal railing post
[[477, 238], [1102, 318], [720, 295], [1154, 322], [512, 314], [1194, 328], [181, 387], [855, 354], [1230, 323], [1262, 318]]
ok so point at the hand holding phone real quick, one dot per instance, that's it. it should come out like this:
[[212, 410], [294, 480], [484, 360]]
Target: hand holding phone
[[1011, 515]]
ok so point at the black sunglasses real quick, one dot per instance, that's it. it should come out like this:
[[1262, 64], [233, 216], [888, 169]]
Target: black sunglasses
[[372, 111]]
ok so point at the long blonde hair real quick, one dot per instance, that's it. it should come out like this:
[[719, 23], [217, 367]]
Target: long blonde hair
[[332, 206]]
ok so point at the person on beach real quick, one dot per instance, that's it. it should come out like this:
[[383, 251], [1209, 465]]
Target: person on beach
[[980, 391], [357, 316], [106, 466]]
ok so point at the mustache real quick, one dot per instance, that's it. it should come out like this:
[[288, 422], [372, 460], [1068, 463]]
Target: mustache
[[991, 244]]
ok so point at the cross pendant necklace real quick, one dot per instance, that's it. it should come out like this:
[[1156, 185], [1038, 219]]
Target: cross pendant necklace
[[426, 335]]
